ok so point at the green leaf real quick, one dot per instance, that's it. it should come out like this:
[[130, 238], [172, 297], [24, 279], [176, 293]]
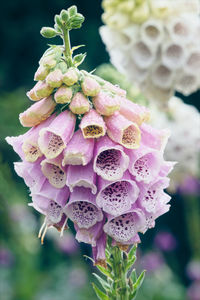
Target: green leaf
[[76, 47], [78, 59], [130, 262], [104, 271], [134, 276], [99, 293], [89, 258], [139, 281], [104, 284], [132, 252]]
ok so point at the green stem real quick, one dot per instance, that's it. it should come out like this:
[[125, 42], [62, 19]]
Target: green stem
[[120, 274], [67, 46]]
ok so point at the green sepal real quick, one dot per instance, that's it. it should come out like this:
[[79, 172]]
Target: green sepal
[[78, 59], [99, 293], [103, 283], [64, 15], [72, 10], [58, 21]]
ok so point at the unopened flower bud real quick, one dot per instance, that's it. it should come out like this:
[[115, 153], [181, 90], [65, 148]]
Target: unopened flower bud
[[79, 104], [106, 104], [32, 95], [72, 10], [48, 32], [48, 62], [90, 87], [70, 77], [63, 95], [140, 13], [54, 79], [42, 89], [41, 73], [37, 113], [64, 15], [77, 21]]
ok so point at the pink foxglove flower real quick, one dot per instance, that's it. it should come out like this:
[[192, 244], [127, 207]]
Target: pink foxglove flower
[[81, 176], [54, 138], [92, 125], [37, 113], [123, 131], [117, 197], [110, 159], [79, 150], [82, 208], [54, 172], [93, 160]]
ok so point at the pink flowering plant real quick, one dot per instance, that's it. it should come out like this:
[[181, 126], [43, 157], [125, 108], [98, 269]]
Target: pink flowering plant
[[90, 156]]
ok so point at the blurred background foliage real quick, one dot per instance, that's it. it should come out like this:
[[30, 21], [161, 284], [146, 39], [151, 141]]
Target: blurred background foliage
[[58, 270]]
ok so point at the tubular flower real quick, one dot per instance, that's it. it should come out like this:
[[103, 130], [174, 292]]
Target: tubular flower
[[123, 131], [37, 112], [92, 125], [90, 156], [155, 44], [53, 139]]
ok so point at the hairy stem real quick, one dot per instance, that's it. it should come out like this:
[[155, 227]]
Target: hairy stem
[[67, 45]]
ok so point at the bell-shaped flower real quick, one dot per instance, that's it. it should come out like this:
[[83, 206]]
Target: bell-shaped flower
[[26, 145], [123, 131], [52, 209], [118, 196], [54, 138], [150, 194], [84, 176], [90, 235], [154, 138], [92, 125], [82, 208], [124, 227], [110, 160], [54, 172], [79, 104], [31, 174], [37, 112], [145, 163], [79, 150]]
